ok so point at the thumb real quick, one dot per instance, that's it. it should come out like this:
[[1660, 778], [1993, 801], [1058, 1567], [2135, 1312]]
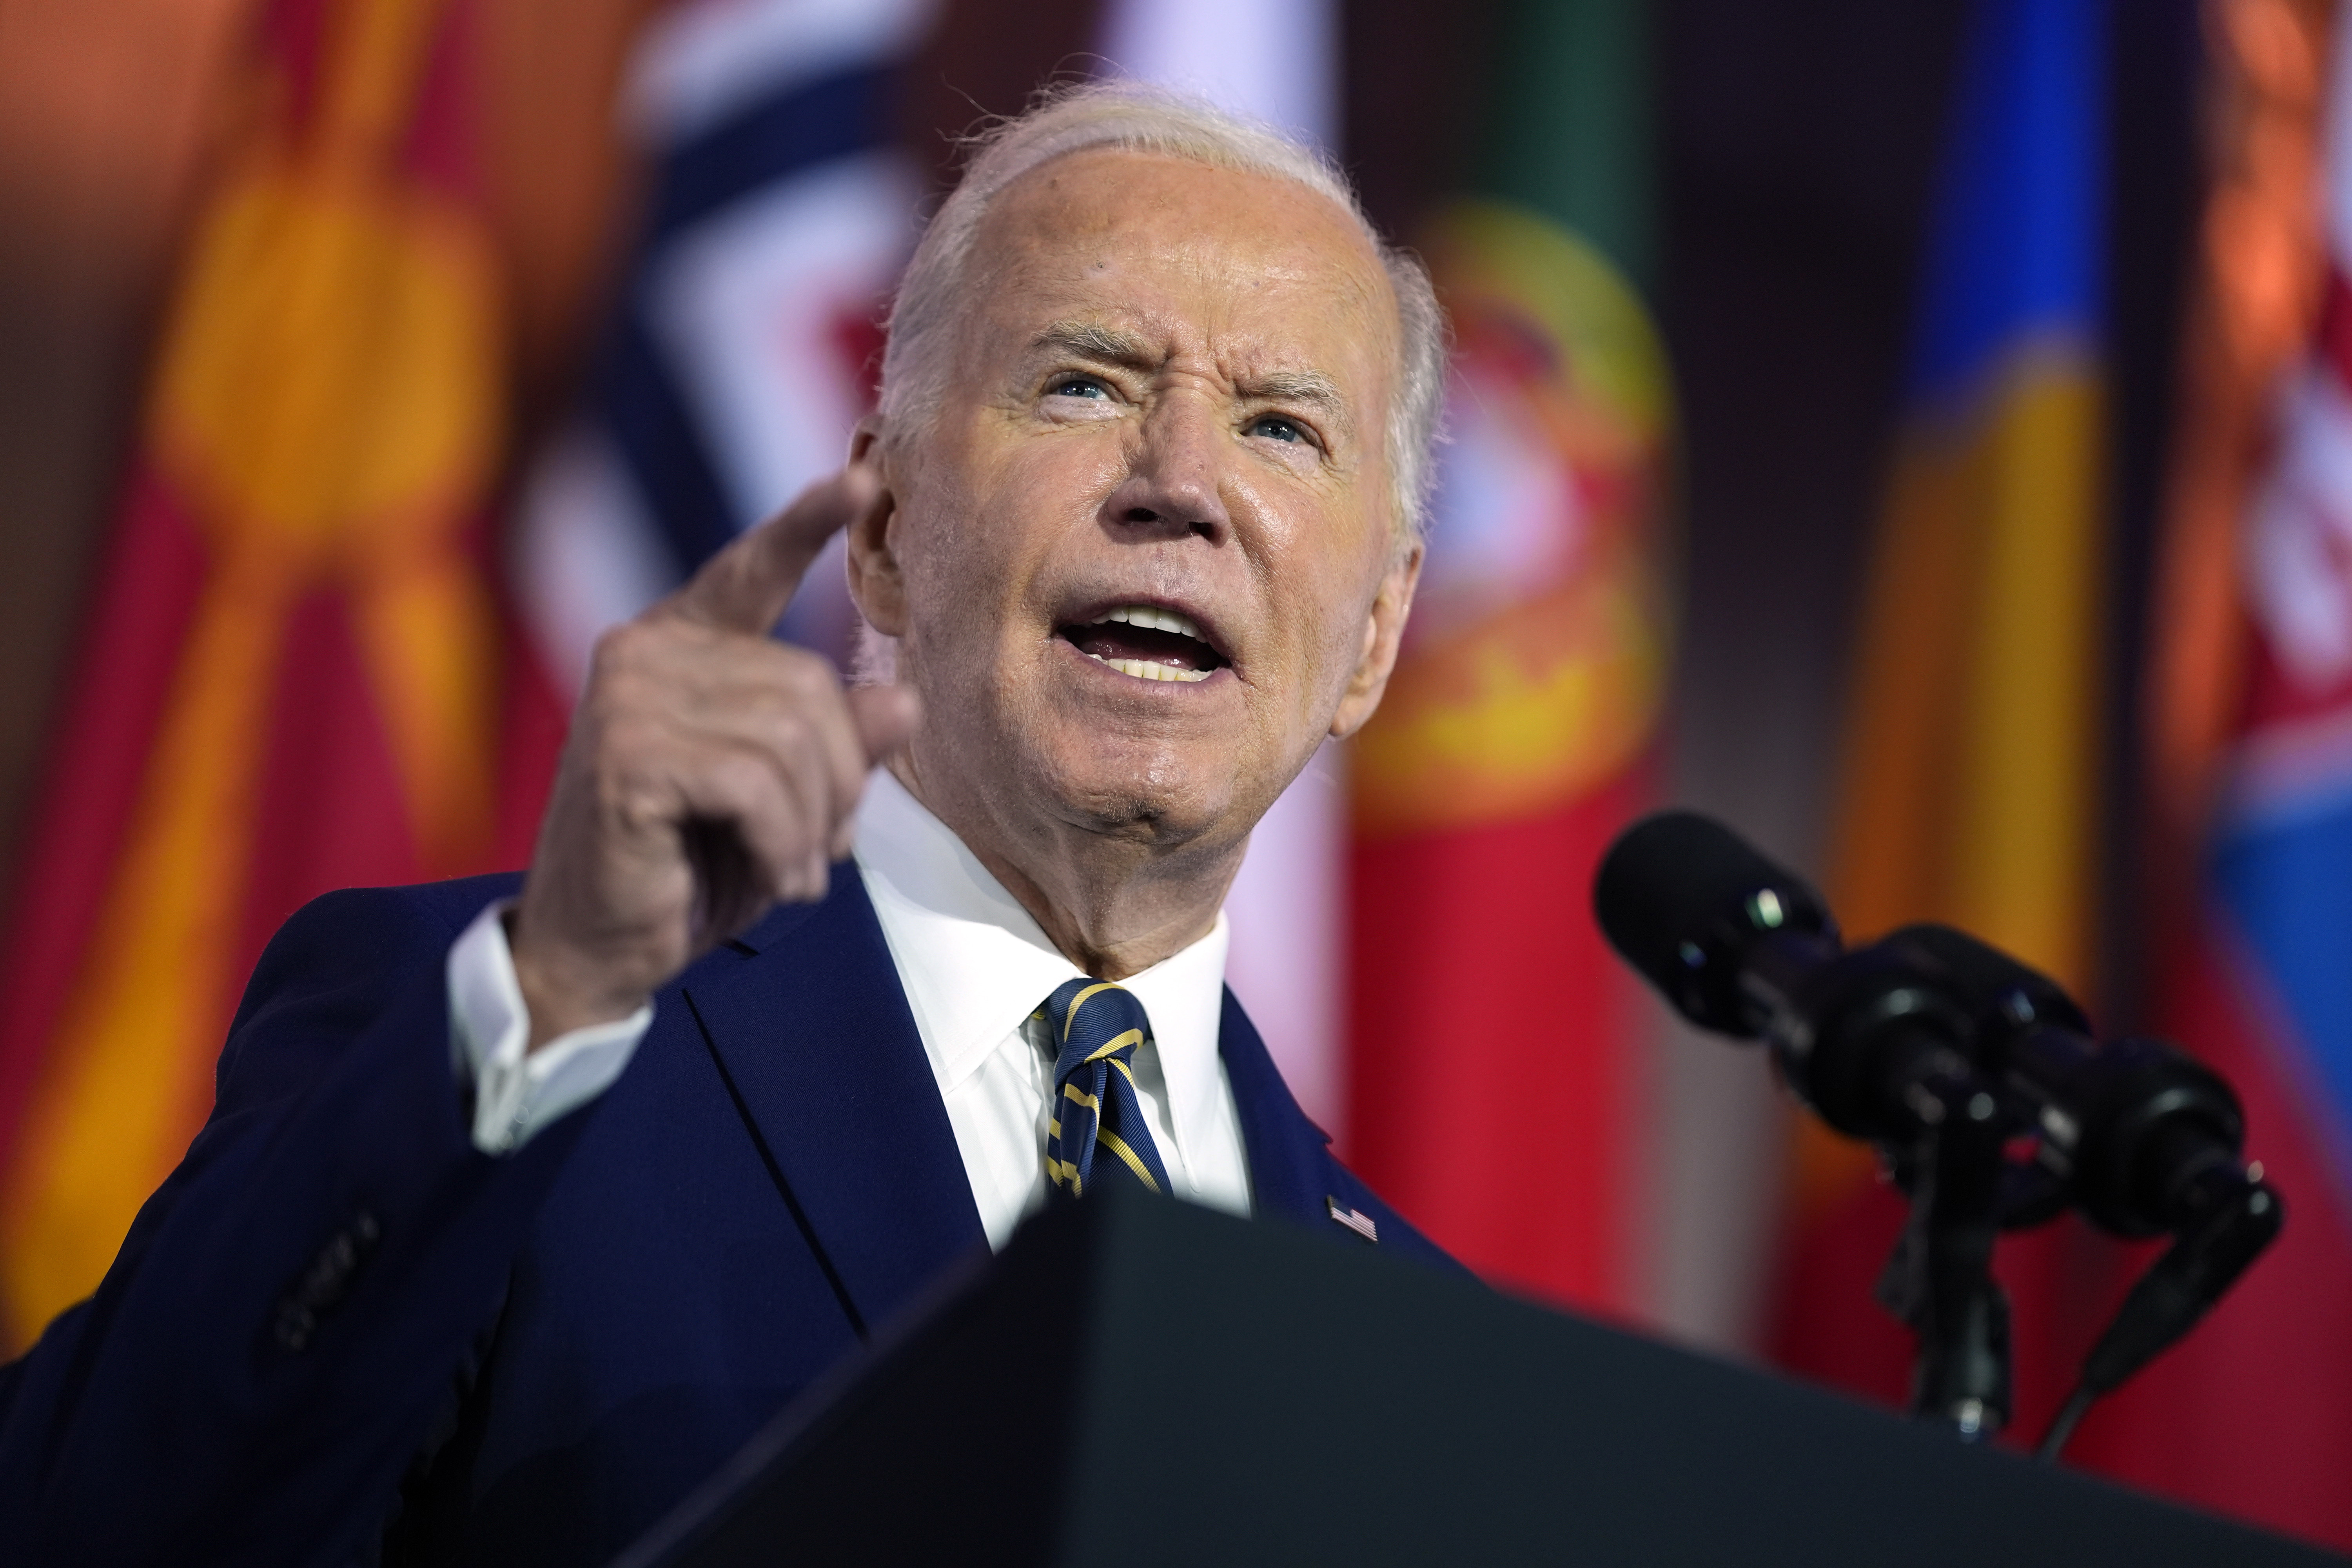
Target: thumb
[[745, 587], [886, 717]]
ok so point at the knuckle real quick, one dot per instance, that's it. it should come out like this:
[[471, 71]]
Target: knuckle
[[627, 735], [807, 675], [619, 648], [635, 811], [625, 667], [769, 798], [626, 798], [740, 781], [790, 733]]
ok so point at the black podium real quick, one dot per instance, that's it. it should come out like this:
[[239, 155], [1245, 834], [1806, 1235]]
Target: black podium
[[1139, 1383]]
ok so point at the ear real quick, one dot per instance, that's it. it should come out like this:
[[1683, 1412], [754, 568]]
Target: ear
[[877, 586], [1384, 631]]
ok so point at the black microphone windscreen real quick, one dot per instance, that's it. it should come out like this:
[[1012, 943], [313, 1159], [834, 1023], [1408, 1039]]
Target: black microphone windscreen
[[1678, 881]]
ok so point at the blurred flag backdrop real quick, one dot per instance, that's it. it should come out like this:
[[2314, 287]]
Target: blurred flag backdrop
[[1975, 776], [2250, 712], [1968, 789], [299, 669], [296, 673], [741, 347], [1517, 732]]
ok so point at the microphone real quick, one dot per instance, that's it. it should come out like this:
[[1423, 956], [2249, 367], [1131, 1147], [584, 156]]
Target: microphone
[[1871, 1039], [1928, 1034], [1685, 901], [1744, 947]]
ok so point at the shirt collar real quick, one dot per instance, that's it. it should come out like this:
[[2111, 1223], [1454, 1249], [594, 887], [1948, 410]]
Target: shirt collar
[[974, 963]]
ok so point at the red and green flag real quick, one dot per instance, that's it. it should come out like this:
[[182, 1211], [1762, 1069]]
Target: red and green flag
[[1493, 1036]]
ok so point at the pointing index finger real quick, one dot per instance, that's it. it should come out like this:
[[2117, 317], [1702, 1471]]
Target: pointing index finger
[[745, 587]]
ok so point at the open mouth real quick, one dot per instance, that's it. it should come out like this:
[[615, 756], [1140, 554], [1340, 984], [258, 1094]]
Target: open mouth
[[1146, 643]]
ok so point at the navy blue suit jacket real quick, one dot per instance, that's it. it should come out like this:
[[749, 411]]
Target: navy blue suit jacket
[[338, 1328]]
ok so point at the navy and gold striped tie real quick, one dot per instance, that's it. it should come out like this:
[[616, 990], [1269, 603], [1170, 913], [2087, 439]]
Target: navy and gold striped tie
[[1096, 1129]]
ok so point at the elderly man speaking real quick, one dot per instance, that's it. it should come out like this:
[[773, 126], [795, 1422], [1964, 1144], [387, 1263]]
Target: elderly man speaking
[[517, 1215]]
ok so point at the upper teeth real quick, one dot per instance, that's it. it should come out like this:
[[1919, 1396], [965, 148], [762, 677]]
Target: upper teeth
[[1160, 620], [1149, 669]]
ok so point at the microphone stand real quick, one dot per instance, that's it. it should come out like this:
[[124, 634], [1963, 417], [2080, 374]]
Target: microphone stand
[[1939, 1280], [1879, 1042], [1939, 1049]]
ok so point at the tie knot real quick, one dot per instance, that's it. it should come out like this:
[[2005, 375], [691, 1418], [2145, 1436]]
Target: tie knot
[[1093, 1020], [1095, 1110]]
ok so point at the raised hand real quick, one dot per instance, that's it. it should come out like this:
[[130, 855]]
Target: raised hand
[[710, 773]]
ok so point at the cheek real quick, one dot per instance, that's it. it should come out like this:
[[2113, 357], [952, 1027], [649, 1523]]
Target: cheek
[[1057, 480], [1032, 496], [943, 552], [984, 533], [1323, 595]]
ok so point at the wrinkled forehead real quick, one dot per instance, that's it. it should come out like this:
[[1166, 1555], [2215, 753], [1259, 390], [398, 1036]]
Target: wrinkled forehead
[[1258, 260]]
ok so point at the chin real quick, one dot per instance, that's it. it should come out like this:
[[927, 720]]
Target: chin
[[1145, 792]]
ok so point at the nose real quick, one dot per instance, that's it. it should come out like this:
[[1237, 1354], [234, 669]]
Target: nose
[[1174, 486]]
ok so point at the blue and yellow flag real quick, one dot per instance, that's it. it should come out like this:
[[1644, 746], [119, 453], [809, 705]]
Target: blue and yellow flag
[[1969, 790]]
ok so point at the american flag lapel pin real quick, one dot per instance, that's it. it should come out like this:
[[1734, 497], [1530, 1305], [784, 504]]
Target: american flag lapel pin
[[1354, 1219]]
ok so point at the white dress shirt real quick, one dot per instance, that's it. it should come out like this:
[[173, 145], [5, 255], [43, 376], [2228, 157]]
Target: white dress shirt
[[975, 967]]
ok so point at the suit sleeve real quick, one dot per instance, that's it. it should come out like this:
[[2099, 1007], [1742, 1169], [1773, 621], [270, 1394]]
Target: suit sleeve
[[289, 1311]]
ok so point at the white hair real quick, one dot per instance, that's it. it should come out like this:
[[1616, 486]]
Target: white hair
[[1141, 119]]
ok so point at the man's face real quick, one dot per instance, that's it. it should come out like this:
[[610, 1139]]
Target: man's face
[[1142, 558]]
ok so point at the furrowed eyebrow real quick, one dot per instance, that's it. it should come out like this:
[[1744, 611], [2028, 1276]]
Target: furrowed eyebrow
[[1108, 345], [1305, 391], [1308, 388], [1091, 342]]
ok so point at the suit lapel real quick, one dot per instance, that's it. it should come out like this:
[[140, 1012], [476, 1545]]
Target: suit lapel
[[806, 1017], [810, 1023], [1289, 1163]]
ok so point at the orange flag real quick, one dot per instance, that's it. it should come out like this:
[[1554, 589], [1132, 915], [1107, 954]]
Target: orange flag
[[295, 673]]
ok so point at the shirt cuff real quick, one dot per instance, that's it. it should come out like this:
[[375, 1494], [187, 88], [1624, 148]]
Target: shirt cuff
[[518, 1091]]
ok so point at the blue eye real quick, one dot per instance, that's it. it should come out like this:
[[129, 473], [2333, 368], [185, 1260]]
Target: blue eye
[[1076, 386], [1275, 427]]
